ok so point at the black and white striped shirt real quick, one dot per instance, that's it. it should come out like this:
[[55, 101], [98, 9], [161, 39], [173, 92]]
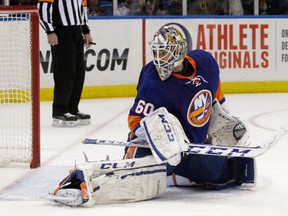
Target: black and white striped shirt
[[62, 13]]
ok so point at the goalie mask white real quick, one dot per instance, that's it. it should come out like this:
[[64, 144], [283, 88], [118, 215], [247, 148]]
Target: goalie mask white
[[168, 48]]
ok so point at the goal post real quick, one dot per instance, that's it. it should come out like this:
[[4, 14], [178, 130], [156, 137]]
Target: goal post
[[19, 85]]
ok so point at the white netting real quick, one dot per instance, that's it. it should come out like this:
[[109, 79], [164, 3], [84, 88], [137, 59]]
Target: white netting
[[15, 88]]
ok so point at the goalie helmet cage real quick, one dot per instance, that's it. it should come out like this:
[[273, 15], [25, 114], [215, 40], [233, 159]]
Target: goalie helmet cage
[[19, 85]]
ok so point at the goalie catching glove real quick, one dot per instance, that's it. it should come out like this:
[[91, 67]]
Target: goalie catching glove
[[225, 129]]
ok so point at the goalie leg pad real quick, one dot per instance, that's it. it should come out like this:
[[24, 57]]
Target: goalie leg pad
[[130, 185], [105, 182], [135, 180]]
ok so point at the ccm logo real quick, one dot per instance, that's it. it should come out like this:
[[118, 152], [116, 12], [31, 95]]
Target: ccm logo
[[167, 127], [117, 165]]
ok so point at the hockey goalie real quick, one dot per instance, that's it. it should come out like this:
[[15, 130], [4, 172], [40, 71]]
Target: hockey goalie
[[148, 172], [179, 100]]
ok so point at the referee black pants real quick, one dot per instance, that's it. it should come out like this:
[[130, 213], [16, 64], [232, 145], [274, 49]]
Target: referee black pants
[[68, 70]]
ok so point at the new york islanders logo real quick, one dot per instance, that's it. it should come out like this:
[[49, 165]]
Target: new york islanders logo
[[200, 108]]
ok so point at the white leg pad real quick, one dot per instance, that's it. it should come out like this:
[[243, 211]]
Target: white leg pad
[[143, 179]]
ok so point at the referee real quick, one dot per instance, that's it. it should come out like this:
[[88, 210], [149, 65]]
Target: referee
[[65, 22]]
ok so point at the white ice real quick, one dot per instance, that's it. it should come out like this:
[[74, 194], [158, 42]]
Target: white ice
[[21, 188]]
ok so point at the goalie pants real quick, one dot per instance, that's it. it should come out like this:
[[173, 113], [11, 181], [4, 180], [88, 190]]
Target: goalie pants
[[212, 171], [202, 169], [215, 172], [68, 69]]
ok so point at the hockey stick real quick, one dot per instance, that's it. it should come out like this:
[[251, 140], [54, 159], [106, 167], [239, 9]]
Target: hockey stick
[[204, 149]]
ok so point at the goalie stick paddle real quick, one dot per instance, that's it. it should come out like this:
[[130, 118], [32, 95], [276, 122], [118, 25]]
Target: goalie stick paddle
[[204, 149]]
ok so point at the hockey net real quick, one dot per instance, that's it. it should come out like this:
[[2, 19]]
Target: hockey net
[[19, 85]]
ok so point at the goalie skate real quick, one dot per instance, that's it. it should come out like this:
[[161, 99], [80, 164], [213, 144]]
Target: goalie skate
[[70, 197]]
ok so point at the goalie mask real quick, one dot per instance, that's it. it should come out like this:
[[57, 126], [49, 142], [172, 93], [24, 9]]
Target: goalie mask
[[168, 49]]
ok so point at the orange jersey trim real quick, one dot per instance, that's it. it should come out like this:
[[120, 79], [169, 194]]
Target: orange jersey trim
[[133, 121], [219, 95], [174, 179], [63, 182], [193, 63], [131, 152]]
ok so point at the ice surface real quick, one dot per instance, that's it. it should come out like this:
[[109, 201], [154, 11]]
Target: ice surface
[[22, 189]]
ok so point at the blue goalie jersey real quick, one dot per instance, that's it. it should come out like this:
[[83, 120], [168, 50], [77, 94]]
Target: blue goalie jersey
[[187, 98]]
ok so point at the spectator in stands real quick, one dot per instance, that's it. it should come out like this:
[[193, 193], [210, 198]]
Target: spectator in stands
[[277, 7], [175, 7], [93, 8], [235, 7], [161, 8], [215, 7], [262, 7], [106, 7], [22, 2], [205, 7], [25, 2], [266, 7], [150, 7], [142, 8], [248, 6], [15, 2], [124, 7]]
